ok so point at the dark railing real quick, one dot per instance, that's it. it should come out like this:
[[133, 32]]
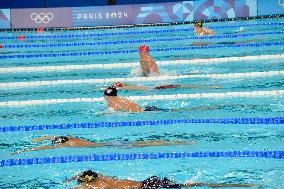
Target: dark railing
[[70, 3]]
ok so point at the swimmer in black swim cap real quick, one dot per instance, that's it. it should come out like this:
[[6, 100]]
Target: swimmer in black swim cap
[[72, 142], [200, 30], [91, 179], [87, 176], [117, 103]]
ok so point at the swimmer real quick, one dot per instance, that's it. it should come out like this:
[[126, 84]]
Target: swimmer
[[71, 142], [117, 103], [147, 63], [200, 30], [120, 85], [90, 179]]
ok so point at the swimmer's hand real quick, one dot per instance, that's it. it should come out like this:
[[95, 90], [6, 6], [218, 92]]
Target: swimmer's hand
[[17, 152], [71, 179]]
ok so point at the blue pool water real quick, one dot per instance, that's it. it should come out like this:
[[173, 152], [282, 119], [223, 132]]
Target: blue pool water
[[255, 70]]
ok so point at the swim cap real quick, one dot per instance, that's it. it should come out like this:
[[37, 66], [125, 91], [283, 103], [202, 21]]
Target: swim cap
[[119, 84], [60, 140], [110, 91], [144, 48], [198, 24], [87, 176]]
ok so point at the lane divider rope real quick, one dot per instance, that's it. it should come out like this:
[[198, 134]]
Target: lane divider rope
[[150, 97], [95, 125], [120, 42], [136, 79], [135, 32], [136, 64], [140, 156], [72, 54]]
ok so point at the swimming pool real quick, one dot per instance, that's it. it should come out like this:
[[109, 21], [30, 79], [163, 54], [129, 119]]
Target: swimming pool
[[56, 78]]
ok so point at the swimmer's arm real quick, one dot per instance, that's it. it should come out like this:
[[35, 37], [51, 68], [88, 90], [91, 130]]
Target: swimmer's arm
[[201, 86], [198, 108], [72, 178], [161, 143], [213, 185], [43, 138], [136, 88], [208, 31], [35, 149], [154, 67]]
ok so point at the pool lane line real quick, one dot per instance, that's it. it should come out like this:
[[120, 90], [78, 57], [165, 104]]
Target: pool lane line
[[136, 64], [251, 94], [141, 123], [123, 42], [145, 32], [114, 52], [141, 156], [136, 79]]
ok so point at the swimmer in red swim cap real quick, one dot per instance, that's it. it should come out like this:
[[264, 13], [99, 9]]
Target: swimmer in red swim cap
[[124, 86], [147, 63]]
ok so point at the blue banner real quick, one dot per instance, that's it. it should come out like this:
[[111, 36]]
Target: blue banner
[[183, 11]]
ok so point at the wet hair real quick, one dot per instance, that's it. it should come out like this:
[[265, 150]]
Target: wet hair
[[110, 91], [60, 140], [198, 24], [87, 176]]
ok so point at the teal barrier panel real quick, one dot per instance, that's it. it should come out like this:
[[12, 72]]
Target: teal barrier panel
[[270, 7], [5, 18]]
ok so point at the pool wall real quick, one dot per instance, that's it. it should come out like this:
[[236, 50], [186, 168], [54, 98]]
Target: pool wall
[[136, 14]]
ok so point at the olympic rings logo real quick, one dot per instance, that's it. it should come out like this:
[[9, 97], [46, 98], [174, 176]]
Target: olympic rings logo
[[42, 17]]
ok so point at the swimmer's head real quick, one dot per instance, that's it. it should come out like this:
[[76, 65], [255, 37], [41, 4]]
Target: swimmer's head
[[111, 91], [118, 85], [198, 24], [144, 48], [87, 176], [60, 140]]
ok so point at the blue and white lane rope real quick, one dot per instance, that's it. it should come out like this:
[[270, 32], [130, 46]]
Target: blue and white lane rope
[[121, 42], [108, 124], [141, 156], [92, 35], [244, 59], [250, 94], [139, 79], [113, 52]]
